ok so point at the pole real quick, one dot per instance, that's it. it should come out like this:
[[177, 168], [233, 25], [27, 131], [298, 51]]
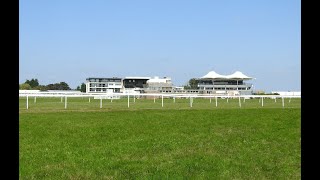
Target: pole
[[216, 101], [89, 99], [61, 98], [174, 99], [128, 101], [190, 101], [162, 100], [275, 99], [227, 99], [262, 101], [210, 99], [35, 99], [134, 98], [154, 99], [239, 102], [27, 102], [244, 99], [65, 102], [282, 102], [100, 102], [289, 99]]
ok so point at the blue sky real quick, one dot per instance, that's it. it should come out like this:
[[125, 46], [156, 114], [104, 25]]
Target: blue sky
[[75, 39]]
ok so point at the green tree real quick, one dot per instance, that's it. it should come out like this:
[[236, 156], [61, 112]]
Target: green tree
[[25, 86], [83, 87], [58, 86], [192, 84], [33, 82]]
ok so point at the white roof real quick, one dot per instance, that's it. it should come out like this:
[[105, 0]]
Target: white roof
[[213, 75], [157, 81], [238, 75], [132, 77], [235, 75]]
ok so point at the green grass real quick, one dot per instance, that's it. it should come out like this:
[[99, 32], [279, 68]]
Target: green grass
[[147, 141]]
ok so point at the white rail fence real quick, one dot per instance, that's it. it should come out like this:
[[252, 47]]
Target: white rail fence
[[112, 96]]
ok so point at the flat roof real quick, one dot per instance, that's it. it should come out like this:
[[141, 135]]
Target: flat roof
[[104, 78], [137, 77]]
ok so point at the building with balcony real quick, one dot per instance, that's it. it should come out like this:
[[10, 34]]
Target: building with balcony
[[138, 84], [103, 85], [233, 84], [157, 84]]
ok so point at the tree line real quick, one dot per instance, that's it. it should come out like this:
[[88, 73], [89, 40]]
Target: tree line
[[33, 84]]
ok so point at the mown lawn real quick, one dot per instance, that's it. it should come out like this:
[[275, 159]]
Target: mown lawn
[[204, 142]]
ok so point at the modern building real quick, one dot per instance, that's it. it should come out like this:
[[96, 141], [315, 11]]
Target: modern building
[[233, 84], [135, 83], [157, 84], [104, 85]]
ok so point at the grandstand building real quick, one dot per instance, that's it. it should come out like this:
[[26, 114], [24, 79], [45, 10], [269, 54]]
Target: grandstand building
[[103, 85], [157, 84], [214, 83]]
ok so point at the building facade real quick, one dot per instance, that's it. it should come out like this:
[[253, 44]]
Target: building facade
[[104, 85], [214, 83]]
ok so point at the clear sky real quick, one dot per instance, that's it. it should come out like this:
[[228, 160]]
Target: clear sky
[[71, 40]]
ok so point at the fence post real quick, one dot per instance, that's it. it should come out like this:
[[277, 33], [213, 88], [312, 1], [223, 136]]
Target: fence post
[[128, 101], [216, 101], [27, 102], [162, 99], [65, 102]]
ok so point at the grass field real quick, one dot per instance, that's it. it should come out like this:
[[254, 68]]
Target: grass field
[[147, 141]]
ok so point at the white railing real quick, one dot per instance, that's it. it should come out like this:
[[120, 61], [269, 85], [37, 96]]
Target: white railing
[[154, 95]]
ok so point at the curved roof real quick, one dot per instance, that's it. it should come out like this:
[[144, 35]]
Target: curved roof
[[213, 75], [235, 75], [238, 75]]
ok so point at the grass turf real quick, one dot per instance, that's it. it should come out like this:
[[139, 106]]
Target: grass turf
[[202, 142]]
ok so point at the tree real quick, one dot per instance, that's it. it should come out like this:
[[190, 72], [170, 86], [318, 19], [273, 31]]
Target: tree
[[58, 86], [33, 82], [78, 88], [25, 86], [83, 87], [193, 83], [64, 86]]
